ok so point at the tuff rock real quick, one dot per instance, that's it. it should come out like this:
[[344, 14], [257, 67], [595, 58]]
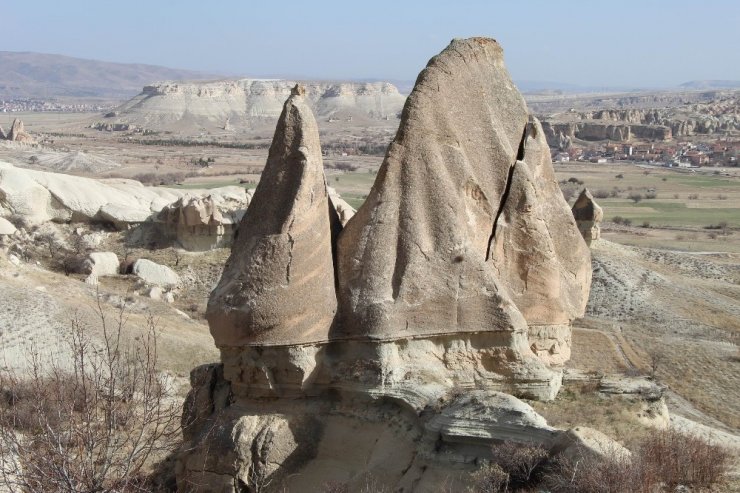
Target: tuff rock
[[588, 215], [394, 346]]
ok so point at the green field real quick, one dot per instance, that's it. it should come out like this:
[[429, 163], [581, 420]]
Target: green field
[[666, 213]]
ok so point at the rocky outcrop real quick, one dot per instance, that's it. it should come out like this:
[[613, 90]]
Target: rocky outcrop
[[155, 274], [561, 135], [18, 133], [248, 102], [588, 215], [621, 125], [395, 345], [40, 196], [6, 227], [199, 223], [549, 278], [101, 264], [278, 285]]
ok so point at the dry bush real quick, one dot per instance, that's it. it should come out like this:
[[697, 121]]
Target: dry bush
[[93, 423], [601, 194], [490, 479], [663, 461], [520, 462], [673, 458]]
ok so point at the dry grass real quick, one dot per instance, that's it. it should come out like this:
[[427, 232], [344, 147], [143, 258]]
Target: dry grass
[[581, 406], [592, 350]]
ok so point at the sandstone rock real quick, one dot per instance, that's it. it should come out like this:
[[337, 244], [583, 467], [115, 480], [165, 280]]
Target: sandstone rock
[[3, 136], [478, 415], [101, 264], [169, 297], [40, 196], [588, 215], [155, 274], [344, 210], [18, 132], [413, 259], [424, 254], [278, 284], [92, 280], [248, 102], [202, 223], [155, 293], [463, 259], [13, 259], [580, 441], [6, 227], [537, 252]]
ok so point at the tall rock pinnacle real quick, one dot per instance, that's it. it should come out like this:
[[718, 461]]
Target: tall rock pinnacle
[[413, 260], [278, 284]]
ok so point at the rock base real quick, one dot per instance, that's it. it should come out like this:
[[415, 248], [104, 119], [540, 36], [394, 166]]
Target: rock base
[[238, 443], [414, 371]]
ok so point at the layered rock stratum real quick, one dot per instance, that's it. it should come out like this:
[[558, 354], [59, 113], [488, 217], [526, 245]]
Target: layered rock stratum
[[40, 196], [231, 105], [394, 346], [719, 116]]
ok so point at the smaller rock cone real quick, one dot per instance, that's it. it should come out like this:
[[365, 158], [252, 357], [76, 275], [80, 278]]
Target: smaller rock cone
[[277, 287], [588, 215]]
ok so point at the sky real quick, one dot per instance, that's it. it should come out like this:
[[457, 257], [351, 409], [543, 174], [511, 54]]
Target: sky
[[624, 43]]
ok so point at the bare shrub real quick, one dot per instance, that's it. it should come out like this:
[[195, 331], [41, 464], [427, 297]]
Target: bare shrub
[[89, 424], [677, 459], [490, 479], [651, 195], [519, 461], [590, 474], [663, 461], [693, 196], [635, 197], [601, 194]]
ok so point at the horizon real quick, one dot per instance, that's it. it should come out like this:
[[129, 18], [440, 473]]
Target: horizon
[[394, 44]]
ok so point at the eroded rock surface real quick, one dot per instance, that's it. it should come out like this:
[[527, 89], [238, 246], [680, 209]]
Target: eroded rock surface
[[402, 339], [17, 132], [588, 215], [202, 223], [278, 284]]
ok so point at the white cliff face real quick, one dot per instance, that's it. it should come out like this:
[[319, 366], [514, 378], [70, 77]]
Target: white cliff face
[[41, 196], [246, 102]]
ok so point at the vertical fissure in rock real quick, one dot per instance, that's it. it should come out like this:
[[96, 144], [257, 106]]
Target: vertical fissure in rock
[[507, 189]]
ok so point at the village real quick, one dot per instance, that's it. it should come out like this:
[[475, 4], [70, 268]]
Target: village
[[684, 154]]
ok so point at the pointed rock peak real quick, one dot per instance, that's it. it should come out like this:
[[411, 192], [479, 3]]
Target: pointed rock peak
[[278, 284], [588, 215], [585, 207], [412, 261], [298, 90]]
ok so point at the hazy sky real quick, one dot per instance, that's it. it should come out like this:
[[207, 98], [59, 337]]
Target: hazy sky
[[589, 42]]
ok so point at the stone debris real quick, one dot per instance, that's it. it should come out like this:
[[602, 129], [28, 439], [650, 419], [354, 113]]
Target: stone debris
[[198, 223], [101, 264], [155, 274]]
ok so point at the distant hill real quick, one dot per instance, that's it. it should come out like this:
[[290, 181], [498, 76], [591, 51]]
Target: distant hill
[[711, 84], [39, 75]]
